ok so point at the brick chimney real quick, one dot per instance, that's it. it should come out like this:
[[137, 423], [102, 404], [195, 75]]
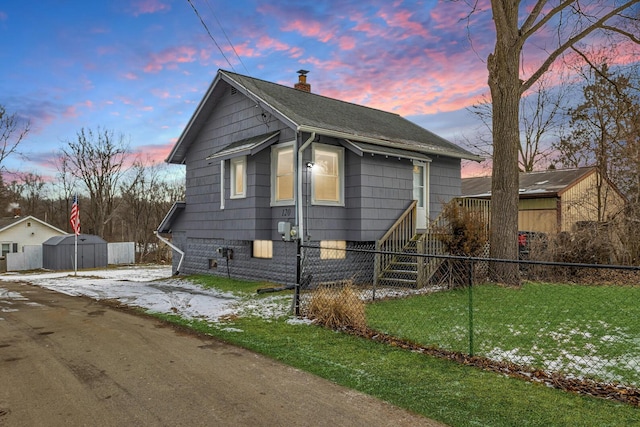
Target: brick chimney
[[302, 81]]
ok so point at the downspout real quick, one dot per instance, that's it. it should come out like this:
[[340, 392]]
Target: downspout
[[299, 206], [172, 246]]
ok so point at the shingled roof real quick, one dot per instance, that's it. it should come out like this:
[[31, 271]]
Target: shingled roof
[[547, 183], [309, 112]]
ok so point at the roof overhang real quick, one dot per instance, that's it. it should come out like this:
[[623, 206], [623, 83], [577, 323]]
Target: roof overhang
[[245, 147], [175, 211], [362, 147], [384, 143]]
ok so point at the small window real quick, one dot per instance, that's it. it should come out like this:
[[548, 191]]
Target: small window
[[282, 176], [238, 177], [6, 248], [333, 249], [263, 249], [328, 175]]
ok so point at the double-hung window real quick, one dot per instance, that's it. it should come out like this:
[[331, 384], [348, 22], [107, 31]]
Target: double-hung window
[[328, 175], [282, 174]]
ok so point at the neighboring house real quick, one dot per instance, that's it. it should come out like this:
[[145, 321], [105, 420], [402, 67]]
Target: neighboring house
[[19, 231], [267, 162], [557, 200]]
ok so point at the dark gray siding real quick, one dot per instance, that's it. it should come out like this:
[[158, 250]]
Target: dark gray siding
[[444, 183], [203, 258], [377, 190], [234, 118]]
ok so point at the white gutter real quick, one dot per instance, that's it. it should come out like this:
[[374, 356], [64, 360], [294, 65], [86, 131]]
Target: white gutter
[[174, 247], [299, 207]]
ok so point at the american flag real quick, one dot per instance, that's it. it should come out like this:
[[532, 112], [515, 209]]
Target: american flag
[[75, 216]]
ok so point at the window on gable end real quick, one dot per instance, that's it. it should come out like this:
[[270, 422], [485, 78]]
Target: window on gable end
[[239, 177], [282, 174]]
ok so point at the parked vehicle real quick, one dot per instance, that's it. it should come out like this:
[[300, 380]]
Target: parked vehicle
[[527, 239]]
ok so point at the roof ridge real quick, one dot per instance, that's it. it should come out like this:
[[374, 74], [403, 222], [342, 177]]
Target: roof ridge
[[231, 74]]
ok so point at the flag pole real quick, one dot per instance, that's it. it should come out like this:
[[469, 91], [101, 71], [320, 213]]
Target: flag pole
[[75, 225], [75, 265]]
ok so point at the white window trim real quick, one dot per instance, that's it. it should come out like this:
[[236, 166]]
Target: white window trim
[[341, 177], [238, 160], [221, 184], [274, 167]]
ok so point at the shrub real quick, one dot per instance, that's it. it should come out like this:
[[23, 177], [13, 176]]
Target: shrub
[[464, 233], [337, 307]]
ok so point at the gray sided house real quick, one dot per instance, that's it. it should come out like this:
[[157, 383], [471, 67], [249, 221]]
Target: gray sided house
[[267, 163]]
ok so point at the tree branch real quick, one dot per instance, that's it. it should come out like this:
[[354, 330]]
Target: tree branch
[[599, 24]]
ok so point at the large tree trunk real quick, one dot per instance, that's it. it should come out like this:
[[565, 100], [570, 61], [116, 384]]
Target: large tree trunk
[[505, 86]]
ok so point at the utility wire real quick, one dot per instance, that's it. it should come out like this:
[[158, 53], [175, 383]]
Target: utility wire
[[264, 116], [227, 37], [211, 35]]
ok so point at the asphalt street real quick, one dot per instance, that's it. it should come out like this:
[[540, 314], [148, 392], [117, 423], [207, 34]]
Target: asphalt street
[[73, 361]]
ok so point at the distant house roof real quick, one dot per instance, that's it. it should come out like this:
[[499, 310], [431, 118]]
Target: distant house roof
[[8, 222], [309, 112], [549, 183]]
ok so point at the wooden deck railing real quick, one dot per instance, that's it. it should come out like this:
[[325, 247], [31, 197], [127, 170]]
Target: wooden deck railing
[[394, 240], [430, 243]]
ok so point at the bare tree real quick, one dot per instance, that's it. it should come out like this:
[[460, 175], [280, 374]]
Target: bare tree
[[147, 196], [540, 122], [29, 189], [97, 159], [604, 128], [12, 132], [570, 21]]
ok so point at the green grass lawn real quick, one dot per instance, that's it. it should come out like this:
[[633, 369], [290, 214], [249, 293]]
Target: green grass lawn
[[582, 331], [440, 389]]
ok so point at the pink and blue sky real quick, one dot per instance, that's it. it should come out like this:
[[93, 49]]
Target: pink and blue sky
[[140, 67]]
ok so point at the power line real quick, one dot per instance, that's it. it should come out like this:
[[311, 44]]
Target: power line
[[264, 116], [211, 35], [227, 37]]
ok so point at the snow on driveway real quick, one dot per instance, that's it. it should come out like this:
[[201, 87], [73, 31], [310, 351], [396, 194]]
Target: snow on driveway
[[152, 288]]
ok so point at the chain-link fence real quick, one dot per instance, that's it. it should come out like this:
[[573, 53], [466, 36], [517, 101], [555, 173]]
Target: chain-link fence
[[577, 322]]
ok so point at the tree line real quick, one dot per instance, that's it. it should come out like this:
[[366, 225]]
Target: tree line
[[122, 198]]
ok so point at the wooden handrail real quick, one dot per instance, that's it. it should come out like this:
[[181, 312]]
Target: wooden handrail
[[410, 210], [395, 238]]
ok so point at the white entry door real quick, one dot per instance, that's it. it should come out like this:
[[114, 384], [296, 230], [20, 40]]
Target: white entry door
[[421, 193]]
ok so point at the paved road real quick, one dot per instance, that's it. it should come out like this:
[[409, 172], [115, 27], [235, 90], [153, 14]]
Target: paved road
[[72, 361]]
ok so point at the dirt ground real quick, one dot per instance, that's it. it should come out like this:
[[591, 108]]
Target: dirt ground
[[71, 361]]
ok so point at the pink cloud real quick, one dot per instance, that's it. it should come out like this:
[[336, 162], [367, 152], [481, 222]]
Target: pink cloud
[[156, 153], [70, 112], [268, 43], [131, 76], [347, 43], [244, 50], [162, 94], [313, 29], [144, 7], [169, 58], [402, 20], [3, 16]]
